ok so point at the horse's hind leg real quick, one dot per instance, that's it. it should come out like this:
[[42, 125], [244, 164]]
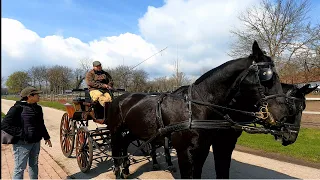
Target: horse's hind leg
[[116, 153], [126, 162]]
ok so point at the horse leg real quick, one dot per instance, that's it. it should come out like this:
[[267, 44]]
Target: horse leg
[[222, 151], [153, 154], [199, 156], [191, 161], [171, 168], [116, 138], [185, 164], [126, 165], [126, 162]]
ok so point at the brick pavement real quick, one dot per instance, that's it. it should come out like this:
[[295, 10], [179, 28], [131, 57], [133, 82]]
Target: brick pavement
[[48, 168]]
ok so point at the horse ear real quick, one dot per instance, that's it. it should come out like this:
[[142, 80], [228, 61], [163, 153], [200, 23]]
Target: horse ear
[[306, 89], [256, 51]]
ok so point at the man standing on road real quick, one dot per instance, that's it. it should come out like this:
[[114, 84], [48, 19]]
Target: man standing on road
[[25, 121]]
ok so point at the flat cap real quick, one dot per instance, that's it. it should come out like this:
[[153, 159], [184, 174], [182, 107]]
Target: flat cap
[[96, 63], [29, 90]]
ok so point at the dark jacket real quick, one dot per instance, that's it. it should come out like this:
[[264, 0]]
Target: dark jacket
[[96, 79], [25, 121]]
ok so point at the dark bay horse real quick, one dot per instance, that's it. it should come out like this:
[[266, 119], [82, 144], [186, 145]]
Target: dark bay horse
[[298, 102], [249, 86]]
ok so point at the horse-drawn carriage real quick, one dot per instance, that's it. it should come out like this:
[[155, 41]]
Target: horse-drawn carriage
[[74, 130], [213, 111]]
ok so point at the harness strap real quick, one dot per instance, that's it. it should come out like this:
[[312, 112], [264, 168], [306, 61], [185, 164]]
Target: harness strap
[[209, 124], [158, 109], [226, 108]]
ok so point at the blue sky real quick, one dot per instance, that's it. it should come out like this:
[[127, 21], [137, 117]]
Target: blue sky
[[84, 19], [116, 32]]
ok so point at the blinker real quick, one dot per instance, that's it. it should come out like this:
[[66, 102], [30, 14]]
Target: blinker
[[265, 74]]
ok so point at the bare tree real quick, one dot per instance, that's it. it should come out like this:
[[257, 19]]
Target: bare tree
[[139, 81], [121, 75], [31, 75], [281, 27], [180, 79], [59, 78], [86, 64], [80, 73], [37, 75]]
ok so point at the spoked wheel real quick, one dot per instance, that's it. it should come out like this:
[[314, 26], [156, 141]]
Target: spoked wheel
[[67, 135], [84, 149]]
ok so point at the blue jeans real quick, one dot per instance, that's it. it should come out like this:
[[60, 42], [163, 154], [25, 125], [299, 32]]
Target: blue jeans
[[22, 153]]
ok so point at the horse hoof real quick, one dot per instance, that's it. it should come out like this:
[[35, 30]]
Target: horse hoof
[[118, 175], [124, 176], [125, 173], [156, 167], [171, 169]]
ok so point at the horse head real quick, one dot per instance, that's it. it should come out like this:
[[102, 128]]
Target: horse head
[[297, 104], [251, 88], [259, 90]]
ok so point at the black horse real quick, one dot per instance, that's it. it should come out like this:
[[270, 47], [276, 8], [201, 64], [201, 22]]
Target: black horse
[[249, 87], [298, 101]]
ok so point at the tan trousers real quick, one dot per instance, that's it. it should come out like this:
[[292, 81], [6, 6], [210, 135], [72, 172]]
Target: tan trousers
[[102, 98]]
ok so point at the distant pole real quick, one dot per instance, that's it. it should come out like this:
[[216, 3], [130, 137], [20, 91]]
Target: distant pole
[[177, 68]]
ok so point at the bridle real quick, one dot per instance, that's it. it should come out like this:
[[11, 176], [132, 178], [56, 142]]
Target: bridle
[[262, 116]]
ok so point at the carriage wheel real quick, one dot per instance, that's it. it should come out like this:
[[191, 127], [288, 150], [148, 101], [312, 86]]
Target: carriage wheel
[[84, 149], [67, 135]]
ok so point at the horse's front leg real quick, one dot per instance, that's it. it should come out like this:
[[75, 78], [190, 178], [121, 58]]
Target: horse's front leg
[[185, 164], [192, 152], [223, 146]]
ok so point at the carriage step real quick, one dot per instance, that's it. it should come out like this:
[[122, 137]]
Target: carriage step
[[94, 133], [102, 128]]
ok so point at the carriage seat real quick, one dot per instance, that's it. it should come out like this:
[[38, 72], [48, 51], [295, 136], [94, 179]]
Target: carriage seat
[[87, 101]]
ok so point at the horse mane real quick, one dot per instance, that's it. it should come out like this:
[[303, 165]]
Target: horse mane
[[215, 70], [181, 88]]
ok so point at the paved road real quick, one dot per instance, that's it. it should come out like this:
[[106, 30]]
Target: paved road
[[311, 112], [243, 165]]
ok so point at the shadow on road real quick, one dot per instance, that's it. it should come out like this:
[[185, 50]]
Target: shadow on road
[[142, 169]]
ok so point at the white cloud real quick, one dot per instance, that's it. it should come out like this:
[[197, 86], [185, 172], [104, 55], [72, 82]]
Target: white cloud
[[23, 48], [197, 32], [198, 29]]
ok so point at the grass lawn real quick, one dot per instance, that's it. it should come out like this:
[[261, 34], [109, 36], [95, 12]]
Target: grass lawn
[[52, 104], [2, 115], [307, 146]]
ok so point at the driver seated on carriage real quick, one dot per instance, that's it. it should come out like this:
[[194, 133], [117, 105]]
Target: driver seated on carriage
[[99, 83]]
